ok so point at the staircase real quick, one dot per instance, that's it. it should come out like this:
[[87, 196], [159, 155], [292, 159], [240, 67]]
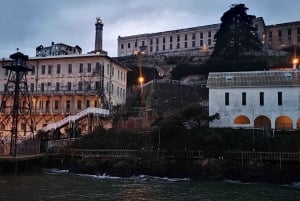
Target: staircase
[[73, 118]]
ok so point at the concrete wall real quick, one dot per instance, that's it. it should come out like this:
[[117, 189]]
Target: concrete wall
[[290, 105]]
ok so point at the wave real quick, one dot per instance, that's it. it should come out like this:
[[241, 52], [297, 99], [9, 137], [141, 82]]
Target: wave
[[103, 176], [294, 185], [153, 178], [232, 181], [56, 171]]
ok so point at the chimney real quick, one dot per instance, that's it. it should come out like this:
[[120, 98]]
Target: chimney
[[98, 39]]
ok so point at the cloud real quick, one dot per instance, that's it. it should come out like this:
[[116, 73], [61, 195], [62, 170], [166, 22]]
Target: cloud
[[28, 24]]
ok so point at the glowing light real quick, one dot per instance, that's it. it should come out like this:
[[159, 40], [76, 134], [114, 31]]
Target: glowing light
[[141, 79], [295, 60]]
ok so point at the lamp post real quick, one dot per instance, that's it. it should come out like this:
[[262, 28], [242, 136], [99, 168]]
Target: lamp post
[[141, 78], [295, 62]]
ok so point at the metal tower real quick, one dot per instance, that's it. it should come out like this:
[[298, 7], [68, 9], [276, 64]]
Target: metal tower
[[16, 102]]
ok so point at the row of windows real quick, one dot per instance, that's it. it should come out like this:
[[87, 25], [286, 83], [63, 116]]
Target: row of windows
[[288, 31], [178, 45], [57, 105], [193, 37], [261, 98], [80, 86], [98, 69]]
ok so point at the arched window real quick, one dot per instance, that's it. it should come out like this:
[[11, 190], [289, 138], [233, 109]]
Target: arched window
[[284, 123], [241, 120], [262, 122]]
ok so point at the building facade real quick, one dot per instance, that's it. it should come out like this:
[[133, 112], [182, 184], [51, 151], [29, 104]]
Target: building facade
[[195, 41], [62, 86], [57, 49], [279, 36], [259, 99], [199, 41]]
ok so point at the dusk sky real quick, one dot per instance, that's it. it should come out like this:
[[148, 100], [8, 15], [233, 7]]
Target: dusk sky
[[28, 24]]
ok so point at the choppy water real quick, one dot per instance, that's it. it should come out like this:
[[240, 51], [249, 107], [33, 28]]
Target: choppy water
[[60, 185]]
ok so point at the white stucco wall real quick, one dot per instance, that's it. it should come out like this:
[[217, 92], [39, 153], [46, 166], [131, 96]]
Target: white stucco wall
[[290, 105]]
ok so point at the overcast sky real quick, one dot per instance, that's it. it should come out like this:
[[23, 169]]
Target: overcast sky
[[26, 24]]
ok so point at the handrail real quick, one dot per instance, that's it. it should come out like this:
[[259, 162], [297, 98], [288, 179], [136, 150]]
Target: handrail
[[72, 118]]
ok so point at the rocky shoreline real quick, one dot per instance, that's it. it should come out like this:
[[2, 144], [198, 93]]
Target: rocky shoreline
[[201, 169]]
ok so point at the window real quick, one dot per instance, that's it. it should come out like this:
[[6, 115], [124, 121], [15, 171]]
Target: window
[[47, 106], [279, 33], [178, 45], [135, 44], [209, 42], [79, 86], [49, 69], [122, 46], [87, 103], [95, 103], [57, 86], [68, 105], [201, 43], [193, 36], [79, 104], [42, 86], [157, 48], [69, 86], [89, 67], [43, 69], [107, 69], [178, 37], [279, 98], [164, 40], [164, 47], [151, 41], [98, 67], [244, 98], [193, 43], [157, 41], [226, 98], [81, 68], [209, 34], [151, 48], [70, 68], [171, 39], [97, 85], [201, 35], [185, 37], [32, 87], [128, 45], [58, 69], [289, 32], [261, 98], [185, 45], [56, 104], [171, 46], [33, 70]]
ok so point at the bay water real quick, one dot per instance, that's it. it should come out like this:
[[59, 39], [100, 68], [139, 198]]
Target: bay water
[[59, 185]]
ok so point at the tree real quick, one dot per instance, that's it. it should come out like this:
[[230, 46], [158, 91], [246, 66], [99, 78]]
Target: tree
[[236, 35]]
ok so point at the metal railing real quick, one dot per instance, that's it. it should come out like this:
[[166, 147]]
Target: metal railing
[[72, 118]]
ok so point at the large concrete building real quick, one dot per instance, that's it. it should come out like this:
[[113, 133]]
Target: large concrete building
[[199, 41], [61, 86], [258, 99], [65, 88], [57, 49]]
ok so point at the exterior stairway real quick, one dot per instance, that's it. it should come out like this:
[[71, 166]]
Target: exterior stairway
[[73, 118]]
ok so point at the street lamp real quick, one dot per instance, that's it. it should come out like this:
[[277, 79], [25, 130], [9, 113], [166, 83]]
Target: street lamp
[[295, 62]]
